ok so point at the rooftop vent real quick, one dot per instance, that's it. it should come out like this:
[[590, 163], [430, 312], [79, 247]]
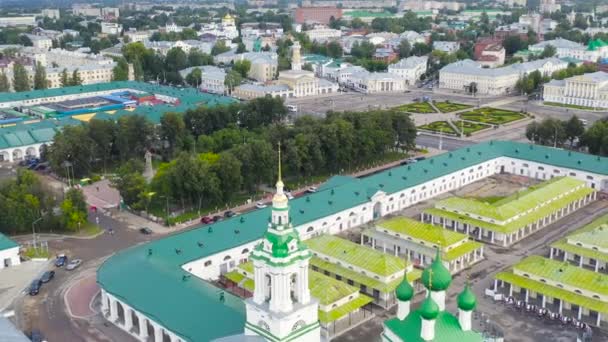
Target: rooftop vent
[[307, 198], [178, 251], [200, 244], [210, 230], [236, 231]]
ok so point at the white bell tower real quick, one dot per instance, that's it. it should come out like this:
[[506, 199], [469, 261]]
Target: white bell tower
[[281, 308]]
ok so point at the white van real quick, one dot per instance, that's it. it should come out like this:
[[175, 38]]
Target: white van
[[292, 108]]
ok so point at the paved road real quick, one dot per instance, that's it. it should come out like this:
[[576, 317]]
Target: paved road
[[47, 311], [447, 143]]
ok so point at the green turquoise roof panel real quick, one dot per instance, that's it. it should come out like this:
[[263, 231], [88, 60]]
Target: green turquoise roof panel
[[6, 243]]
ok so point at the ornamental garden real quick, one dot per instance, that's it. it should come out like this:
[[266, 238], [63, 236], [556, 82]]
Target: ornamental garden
[[473, 121]]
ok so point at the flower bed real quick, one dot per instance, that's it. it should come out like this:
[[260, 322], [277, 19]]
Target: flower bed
[[439, 127], [492, 116], [448, 107], [417, 107]]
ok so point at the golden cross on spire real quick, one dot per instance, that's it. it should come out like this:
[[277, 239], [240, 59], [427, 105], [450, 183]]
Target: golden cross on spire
[[279, 160]]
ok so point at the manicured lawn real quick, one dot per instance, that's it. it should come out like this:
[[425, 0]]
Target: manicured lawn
[[448, 107], [555, 104], [439, 127], [31, 253], [417, 107], [470, 127], [492, 116]]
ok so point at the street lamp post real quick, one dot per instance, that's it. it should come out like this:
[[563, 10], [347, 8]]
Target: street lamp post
[[34, 231]]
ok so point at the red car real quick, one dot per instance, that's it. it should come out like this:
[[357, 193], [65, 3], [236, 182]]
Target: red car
[[206, 220]]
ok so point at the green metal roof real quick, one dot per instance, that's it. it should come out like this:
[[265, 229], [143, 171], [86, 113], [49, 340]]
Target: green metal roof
[[514, 204], [553, 292], [356, 255], [593, 234], [447, 328], [188, 98], [422, 231], [6, 243], [565, 273], [137, 278]]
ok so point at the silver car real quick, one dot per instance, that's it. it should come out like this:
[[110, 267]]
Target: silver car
[[73, 264]]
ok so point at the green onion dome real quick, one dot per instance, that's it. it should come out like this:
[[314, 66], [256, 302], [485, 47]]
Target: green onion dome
[[466, 299], [429, 309], [436, 277], [404, 291]]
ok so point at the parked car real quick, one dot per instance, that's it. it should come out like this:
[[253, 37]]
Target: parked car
[[35, 287], [145, 230], [217, 218], [289, 195], [206, 219], [312, 189], [420, 158], [229, 213], [73, 264], [47, 276], [260, 205], [36, 336], [61, 260]]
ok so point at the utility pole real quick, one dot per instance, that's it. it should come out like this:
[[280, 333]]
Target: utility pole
[[440, 139], [34, 231]]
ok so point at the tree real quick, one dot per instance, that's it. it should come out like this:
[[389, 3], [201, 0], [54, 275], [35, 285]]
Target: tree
[[131, 184], [242, 67], [513, 44], [194, 77], [241, 48], [574, 129], [228, 170], [65, 78], [21, 80], [4, 85], [40, 81], [334, 49], [421, 49], [219, 47], [596, 138], [76, 80], [134, 137], [548, 51], [405, 49], [73, 210], [172, 129], [262, 111], [232, 80], [121, 71], [176, 59], [198, 58], [72, 144]]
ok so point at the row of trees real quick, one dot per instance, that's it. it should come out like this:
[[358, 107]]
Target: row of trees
[[554, 132], [31, 204], [212, 154], [570, 133]]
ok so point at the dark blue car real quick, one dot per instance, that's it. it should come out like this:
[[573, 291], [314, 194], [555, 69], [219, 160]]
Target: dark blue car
[[61, 260]]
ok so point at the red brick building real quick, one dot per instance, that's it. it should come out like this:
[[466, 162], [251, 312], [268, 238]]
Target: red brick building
[[317, 14]]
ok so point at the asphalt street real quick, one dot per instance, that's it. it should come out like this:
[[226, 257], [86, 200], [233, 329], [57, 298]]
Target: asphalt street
[[47, 312], [447, 143]]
